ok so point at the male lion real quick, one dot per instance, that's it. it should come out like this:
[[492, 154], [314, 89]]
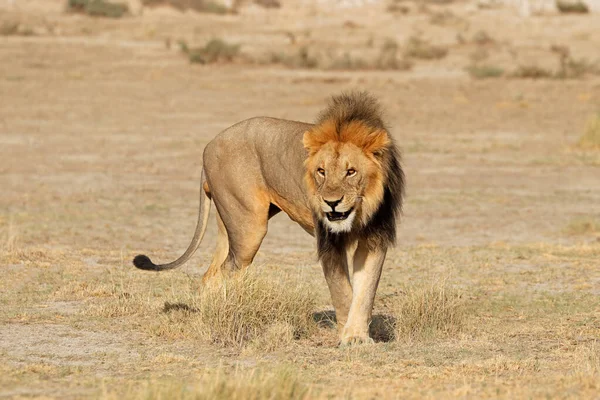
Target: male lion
[[340, 179]]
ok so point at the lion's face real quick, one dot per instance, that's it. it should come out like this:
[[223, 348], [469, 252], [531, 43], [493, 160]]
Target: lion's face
[[344, 179]]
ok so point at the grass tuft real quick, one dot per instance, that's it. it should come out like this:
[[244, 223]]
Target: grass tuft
[[429, 311], [591, 136], [247, 308]]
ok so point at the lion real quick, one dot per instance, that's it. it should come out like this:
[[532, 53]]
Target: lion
[[340, 179]]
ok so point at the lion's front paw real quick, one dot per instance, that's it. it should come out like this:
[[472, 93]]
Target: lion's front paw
[[350, 338], [356, 340]]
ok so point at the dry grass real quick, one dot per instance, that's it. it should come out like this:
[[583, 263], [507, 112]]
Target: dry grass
[[241, 309], [428, 311], [583, 226], [8, 236], [222, 385], [589, 358], [591, 136]]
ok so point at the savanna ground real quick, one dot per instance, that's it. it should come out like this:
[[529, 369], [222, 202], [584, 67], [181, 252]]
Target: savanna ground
[[102, 126]]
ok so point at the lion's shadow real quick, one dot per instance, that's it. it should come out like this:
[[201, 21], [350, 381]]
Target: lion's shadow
[[381, 328]]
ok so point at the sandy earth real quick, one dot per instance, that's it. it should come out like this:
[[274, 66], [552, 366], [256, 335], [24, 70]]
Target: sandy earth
[[102, 128]]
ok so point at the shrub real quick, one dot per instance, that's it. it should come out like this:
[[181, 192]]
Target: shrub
[[572, 7], [98, 8], [422, 49], [485, 71], [532, 72], [205, 6], [216, 50]]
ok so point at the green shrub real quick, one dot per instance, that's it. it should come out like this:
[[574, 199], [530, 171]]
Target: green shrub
[[98, 8]]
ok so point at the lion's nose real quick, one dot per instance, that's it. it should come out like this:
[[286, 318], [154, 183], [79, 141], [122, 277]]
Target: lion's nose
[[333, 203]]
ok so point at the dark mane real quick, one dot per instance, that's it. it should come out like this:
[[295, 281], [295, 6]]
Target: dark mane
[[353, 106]]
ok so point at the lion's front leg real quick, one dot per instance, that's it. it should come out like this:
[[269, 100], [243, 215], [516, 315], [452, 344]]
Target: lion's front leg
[[367, 271], [335, 268]]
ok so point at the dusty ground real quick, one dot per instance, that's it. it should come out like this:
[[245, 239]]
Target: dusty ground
[[101, 134]]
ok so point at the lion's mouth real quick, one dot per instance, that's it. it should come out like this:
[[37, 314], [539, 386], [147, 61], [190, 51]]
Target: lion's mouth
[[338, 216]]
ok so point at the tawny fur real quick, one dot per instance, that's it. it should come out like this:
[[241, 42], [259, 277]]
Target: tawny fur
[[261, 166]]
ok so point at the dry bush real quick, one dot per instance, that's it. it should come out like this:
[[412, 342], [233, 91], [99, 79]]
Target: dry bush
[[591, 136], [98, 8], [483, 71], [239, 385], [9, 28], [572, 7], [428, 311], [241, 309], [347, 62], [532, 72], [205, 6], [570, 68], [419, 48], [215, 51], [268, 3], [388, 57]]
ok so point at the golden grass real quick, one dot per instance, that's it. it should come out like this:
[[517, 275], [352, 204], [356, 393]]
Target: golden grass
[[244, 310], [221, 385], [240, 309], [429, 311], [591, 136]]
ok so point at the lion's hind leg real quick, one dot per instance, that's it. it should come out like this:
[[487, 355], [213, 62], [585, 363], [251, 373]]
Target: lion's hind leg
[[242, 226]]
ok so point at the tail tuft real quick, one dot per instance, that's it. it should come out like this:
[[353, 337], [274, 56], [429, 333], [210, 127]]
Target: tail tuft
[[143, 262]]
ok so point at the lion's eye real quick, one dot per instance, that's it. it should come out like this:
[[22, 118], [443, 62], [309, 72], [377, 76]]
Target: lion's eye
[[321, 171], [351, 172]]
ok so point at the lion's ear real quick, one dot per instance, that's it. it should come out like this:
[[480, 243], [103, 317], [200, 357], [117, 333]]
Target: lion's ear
[[312, 142], [376, 142]]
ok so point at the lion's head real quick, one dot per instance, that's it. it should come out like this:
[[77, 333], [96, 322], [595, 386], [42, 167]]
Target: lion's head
[[344, 174], [352, 164]]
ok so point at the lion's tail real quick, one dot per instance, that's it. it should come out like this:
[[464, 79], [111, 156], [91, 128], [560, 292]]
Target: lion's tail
[[143, 262]]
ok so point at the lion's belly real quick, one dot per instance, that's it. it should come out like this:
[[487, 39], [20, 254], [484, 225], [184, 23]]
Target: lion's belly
[[299, 213]]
